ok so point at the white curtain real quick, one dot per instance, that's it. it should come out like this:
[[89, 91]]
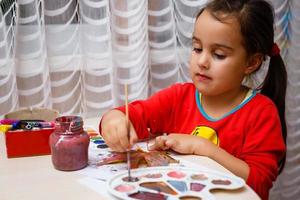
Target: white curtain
[[288, 25], [76, 56]]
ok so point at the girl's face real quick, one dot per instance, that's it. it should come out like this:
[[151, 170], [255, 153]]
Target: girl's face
[[218, 62]]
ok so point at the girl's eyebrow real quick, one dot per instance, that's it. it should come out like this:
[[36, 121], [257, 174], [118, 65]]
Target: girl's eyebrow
[[195, 38], [223, 46], [215, 44]]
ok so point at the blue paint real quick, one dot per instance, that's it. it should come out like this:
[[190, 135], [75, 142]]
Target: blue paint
[[179, 185], [98, 141]]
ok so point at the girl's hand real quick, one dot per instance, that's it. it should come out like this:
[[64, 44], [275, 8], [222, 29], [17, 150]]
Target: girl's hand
[[185, 144], [115, 132]]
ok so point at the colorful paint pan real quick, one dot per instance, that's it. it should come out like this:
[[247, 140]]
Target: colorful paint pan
[[159, 187], [190, 198], [124, 188], [199, 177], [98, 142], [93, 134], [156, 175], [130, 179], [147, 195], [221, 182], [97, 138], [172, 182], [179, 185], [197, 187]]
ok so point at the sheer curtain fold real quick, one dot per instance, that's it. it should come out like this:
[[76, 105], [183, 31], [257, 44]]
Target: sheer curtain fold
[[32, 72], [63, 50], [76, 56], [8, 86], [97, 57], [162, 42], [129, 23]]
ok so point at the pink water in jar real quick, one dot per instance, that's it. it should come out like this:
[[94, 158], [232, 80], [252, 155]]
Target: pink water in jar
[[69, 144]]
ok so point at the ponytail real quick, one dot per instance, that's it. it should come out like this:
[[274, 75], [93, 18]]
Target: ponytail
[[274, 87]]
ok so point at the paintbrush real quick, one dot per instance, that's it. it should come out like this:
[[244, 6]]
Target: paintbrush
[[128, 132], [129, 178]]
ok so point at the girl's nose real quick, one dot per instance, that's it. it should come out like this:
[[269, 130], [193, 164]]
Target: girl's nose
[[203, 60]]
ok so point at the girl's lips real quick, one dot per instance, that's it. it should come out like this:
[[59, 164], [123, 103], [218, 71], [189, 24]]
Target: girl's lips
[[202, 77]]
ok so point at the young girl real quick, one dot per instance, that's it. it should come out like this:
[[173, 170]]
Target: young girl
[[242, 129]]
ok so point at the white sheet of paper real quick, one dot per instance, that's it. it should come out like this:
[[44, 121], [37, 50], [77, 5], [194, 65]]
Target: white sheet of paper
[[96, 185]]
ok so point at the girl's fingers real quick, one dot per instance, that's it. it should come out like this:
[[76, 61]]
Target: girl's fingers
[[116, 146], [170, 143], [107, 138], [122, 137], [125, 142], [117, 137], [159, 143], [133, 136], [111, 138], [118, 149]]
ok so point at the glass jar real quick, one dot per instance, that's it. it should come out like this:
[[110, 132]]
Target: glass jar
[[69, 144]]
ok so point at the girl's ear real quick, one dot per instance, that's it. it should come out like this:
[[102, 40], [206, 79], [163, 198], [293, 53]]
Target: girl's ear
[[254, 63]]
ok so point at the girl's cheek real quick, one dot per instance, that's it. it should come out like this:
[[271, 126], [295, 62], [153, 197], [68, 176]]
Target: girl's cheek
[[192, 62]]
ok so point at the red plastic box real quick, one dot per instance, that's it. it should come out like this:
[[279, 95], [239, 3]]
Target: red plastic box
[[20, 143]]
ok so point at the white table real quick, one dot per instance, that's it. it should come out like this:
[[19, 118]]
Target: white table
[[34, 178]]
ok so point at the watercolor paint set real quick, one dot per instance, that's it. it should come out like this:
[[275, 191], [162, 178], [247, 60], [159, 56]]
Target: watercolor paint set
[[96, 140], [171, 182]]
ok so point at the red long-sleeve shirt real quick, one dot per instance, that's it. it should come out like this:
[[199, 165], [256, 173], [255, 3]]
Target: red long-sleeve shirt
[[250, 132]]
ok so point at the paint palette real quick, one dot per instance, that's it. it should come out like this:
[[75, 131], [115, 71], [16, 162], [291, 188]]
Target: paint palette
[[172, 182]]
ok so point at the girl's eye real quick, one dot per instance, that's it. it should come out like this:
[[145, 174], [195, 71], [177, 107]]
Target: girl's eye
[[219, 56], [197, 50]]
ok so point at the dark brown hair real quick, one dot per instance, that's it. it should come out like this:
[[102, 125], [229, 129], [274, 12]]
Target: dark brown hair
[[256, 18]]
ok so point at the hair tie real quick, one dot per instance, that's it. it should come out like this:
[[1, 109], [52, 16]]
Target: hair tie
[[275, 51]]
